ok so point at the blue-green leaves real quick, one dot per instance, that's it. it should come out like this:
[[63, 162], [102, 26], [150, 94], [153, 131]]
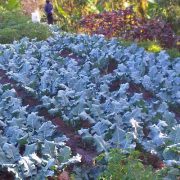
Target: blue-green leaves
[[127, 108]]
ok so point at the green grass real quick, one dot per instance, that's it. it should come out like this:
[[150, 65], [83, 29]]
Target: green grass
[[152, 46], [174, 53], [15, 25]]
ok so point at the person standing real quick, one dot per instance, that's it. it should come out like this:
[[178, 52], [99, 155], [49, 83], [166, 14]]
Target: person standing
[[49, 11]]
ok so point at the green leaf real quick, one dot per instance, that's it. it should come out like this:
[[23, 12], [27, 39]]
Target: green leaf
[[11, 152], [64, 154], [12, 4], [60, 10]]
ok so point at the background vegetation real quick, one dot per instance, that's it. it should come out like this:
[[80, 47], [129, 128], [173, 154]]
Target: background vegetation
[[14, 25], [154, 21], [73, 10]]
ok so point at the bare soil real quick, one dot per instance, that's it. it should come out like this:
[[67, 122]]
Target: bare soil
[[153, 160], [67, 53]]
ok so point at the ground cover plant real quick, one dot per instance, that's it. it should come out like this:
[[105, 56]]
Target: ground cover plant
[[15, 25], [113, 96], [126, 166]]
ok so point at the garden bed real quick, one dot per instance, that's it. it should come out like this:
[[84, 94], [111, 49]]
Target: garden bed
[[98, 107]]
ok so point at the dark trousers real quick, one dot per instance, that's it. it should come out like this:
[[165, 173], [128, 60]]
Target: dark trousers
[[50, 18]]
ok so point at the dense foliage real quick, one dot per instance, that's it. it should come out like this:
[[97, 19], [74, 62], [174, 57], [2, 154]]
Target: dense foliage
[[68, 14], [125, 24], [81, 89], [169, 10], [10, 5], [133, 165], [126, 97], [29, 145], [15, 25], [123, 165]]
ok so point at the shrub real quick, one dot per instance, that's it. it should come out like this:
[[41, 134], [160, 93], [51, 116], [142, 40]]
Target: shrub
[[126, 166], [7, 35], [125, 24], [168, 10], [33, 30], [15, 25], [10, 19]]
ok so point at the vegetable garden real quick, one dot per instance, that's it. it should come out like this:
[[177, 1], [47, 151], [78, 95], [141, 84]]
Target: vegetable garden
[[108, 96], [92, 104]]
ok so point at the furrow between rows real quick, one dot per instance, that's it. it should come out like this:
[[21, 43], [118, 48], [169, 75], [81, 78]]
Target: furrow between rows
[[75, 141]]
